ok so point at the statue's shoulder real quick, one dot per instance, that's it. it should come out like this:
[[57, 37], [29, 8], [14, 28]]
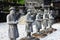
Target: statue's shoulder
[[9, 15], [28, 15]]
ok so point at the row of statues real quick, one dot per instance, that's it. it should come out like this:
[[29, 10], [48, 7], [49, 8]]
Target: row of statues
[[42, 17]]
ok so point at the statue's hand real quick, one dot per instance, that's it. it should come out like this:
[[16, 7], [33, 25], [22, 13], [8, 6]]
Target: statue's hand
[[12, 22]]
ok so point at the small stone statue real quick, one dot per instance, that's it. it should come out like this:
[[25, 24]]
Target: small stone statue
[[29, 21], [29, 26], [12, 22], [51, 19], [45, 19], [50, 22], [39, 19]]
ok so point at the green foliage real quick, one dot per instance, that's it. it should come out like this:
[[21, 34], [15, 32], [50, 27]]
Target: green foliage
[[16, 1], [21, 1]]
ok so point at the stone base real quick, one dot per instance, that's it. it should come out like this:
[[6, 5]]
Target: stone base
[[39, 35], [54, 29], [50, 30], [44, 34], [33, 38], [44, 31]]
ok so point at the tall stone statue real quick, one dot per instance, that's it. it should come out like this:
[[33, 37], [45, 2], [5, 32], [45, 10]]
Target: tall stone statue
[[39, 19], [45, 19], [50, 22], [29, 21], [31, 13], [12, 22], [51, 19]]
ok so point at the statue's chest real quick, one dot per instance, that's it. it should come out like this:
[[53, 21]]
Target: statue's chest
[[47, 16], [40, 16], [13, 17], [30, 17]]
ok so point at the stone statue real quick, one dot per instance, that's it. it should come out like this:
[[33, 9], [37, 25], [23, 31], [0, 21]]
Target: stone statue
[[12, 22], [45, 19], [51, 19], [39, 19], [29, 21]]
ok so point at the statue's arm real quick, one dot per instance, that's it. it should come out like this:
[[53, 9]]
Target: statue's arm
[[9, 20]]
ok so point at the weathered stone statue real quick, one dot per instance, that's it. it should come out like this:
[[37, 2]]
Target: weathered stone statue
[[29, 21], [12, 22], [39, 19], [45, 19], [30, 18], [50, 22], [51, 19], [31, 13]]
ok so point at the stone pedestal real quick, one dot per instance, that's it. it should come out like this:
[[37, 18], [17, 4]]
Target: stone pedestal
[[50, 30], [39, 35]]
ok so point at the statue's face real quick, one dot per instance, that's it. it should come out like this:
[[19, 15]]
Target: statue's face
[[39, 12], [12, 11], [45, 11]]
